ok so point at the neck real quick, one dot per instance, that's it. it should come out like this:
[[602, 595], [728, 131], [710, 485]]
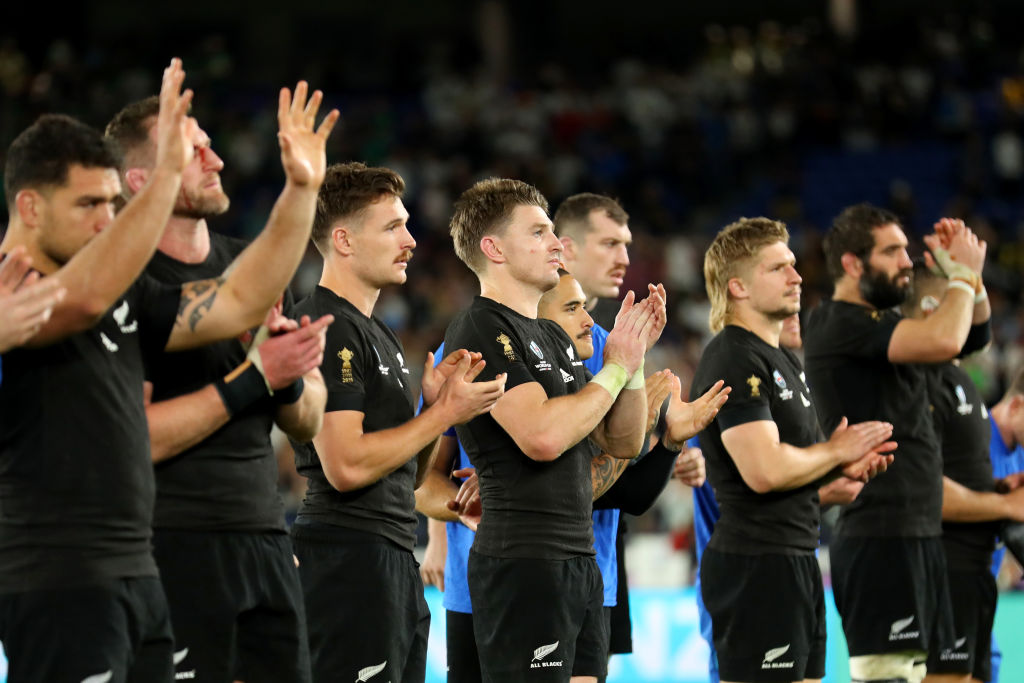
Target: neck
[[186, 239], [349, 286], [18, 235], [520, 297], [1000, 415], [768, 329], [849, 291]]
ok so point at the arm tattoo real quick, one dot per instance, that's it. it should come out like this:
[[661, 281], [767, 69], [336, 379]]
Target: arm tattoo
[[199, 297], [604, 470]]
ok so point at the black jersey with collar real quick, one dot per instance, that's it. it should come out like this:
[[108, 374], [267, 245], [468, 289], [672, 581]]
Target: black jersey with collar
[[228, 481], [76, 478], [530, 509], [767, 383], [846, 349], [364, 370]]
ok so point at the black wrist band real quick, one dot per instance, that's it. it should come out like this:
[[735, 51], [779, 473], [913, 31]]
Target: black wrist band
[[291, 393], [241, 388]]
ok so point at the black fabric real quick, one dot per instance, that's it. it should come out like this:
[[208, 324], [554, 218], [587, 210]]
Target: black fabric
[[637, 488], [846, 354], [962, 427], [621, 640], [119, 627], [974, 595], [227, 482], [530, 509], [364, 606], [76, 479], [364, 370], [463, 659], [767, 384], [978, 338], [767, 615], [538, 619], [892, 593], [236, 606]]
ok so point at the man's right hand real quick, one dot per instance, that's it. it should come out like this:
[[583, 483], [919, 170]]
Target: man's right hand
[[461, 398], [850, 443], [26, 301], [627, 340], [174, 150], [287, 357], [303, 148]]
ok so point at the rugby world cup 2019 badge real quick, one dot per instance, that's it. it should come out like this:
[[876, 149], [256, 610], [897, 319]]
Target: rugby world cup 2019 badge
[[506, 346], [346, 364], [543, 365], [785, 393], [755, 386]]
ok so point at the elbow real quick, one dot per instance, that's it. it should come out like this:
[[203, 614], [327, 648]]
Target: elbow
[[947, 349], [759, 482], [541, 448], [343, 478], [306, 430]]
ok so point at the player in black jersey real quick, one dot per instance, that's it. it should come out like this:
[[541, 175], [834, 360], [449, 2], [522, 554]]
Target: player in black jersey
[[864, 362], [535, 587], [355, 531], [971, 509], [759, 576], [80, 593], [220, 542]]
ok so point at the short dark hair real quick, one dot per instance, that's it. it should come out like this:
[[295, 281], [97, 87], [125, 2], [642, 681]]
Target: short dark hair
[[42, 154], [348, 189], [485, 207], [129, 129], [573, 214], [922, 281], [851, 232]]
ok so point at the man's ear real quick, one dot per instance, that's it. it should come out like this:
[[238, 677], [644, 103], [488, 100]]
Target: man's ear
[[737, 288], [135, 179], [568, 248], [341, 239], [491, 247], [31, 206], [852, 265]]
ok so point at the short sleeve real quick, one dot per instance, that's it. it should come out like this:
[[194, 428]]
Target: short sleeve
[[344, 368], [751, 384], [865, 332], [490, 335]]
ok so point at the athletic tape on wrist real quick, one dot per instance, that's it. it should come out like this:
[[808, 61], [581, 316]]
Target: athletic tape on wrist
[[262, 335], [637, 380], [291, 393], [957, 283], [954, 270], [612, 377], [242, 387]]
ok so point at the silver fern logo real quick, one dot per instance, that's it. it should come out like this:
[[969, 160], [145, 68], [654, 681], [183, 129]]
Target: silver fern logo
[[371, 671], [99, 678], [773, 654], [898, 630], [540, 653]]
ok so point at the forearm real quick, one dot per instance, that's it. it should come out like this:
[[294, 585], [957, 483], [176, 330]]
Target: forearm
[[605, 471], [303, 419], [961, 504], [352, 461], [641, 482], [621, 433], [110, 262], [425, 461], [783, 467], [951, 321], [177, 424], [433, 496], [547, 428]]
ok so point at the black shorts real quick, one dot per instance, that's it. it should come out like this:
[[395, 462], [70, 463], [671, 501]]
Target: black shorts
[[974, 598], [621, 638], [538, 620], [463, 660], [236, 606], [767, 615], [364, 606], [117, 631], [892, 594]]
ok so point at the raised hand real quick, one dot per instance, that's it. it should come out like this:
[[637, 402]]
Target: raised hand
[[852, 442], [657, 387], [26, 300], [434, 376], [174, 127], [684, 420], [627, 340], [303, 149], [689, 467], [467, 501], [461, 398], [658, 300], [288, 356]]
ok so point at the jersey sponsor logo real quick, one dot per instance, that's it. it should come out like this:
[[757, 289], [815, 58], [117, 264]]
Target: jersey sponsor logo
[[369, 672], [571, 352], [384, 370], [755, 386], [785, 393], [99, 678], [803, 378], [121, 315], [536, 350], [540, 653], [111, 346], [346, 364], [964, 408], [898, 629], [506, 346], [773, 654], [401, 361], [803, 399], [566, 377]]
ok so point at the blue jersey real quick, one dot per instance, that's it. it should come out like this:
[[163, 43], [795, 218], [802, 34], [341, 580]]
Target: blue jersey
[[606, 522], [705, 515]]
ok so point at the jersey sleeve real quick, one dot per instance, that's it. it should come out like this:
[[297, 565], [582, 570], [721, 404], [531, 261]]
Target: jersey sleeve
[[751, 384], [864, 333], [490, 335], [345, 366]]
